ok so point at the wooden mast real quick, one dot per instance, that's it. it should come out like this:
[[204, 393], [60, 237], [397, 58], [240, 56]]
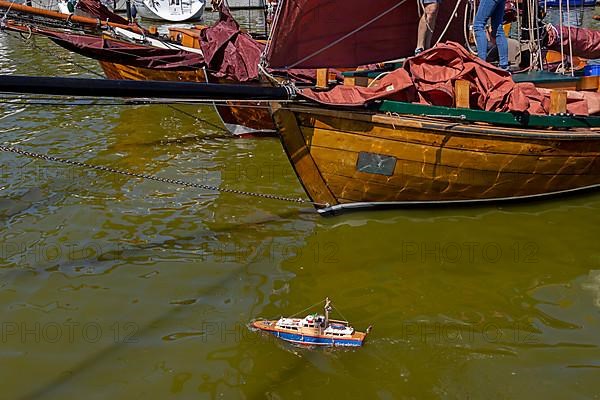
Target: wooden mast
[[66, 17]]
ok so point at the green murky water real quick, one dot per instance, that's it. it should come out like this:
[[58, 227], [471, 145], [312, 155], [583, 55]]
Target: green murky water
[[120, 288]]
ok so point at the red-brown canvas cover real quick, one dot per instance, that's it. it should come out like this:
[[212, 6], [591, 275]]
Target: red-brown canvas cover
[[125, 53], [229, 52], [385, 30], [584, 42], [429, 79], [98, 10]]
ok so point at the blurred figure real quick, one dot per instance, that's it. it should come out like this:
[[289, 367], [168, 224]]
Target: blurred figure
[[427, 24]]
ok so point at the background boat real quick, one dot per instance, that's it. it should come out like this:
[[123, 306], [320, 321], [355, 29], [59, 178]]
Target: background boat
[[170, 10], [242, 4]]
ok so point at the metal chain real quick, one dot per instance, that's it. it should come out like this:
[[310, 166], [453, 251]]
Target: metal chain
[[153, 177]]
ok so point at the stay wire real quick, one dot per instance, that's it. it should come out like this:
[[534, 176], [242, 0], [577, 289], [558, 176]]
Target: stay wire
[[308, 308]]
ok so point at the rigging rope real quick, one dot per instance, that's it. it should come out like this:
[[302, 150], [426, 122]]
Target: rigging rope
[[346, 36], [449, 22], [339, 312], [570, 40], [178, 182], [307, 308], [562, 49]]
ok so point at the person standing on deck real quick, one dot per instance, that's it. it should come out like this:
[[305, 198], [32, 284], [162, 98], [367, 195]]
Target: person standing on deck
[[426, 24], [494, 11]]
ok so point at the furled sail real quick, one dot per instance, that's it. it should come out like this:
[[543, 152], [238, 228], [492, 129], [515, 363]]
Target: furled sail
[[584, 42], [349, 33]]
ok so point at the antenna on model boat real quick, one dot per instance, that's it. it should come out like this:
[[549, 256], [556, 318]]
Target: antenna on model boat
[[327, 310]]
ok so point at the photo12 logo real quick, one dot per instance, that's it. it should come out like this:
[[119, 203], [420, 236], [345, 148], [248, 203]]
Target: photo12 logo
[[67, 332], [469, 252]]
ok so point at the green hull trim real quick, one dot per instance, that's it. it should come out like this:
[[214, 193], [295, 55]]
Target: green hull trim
[[493, 118]]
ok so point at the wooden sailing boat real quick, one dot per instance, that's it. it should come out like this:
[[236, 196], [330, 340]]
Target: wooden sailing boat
[[246, 118], [348, 159], [397, 153]]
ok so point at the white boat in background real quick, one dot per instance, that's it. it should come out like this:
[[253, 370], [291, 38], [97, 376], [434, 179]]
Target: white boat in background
[[65, 6], [115, 5], [169, 10], [68, 6], [243, 4]]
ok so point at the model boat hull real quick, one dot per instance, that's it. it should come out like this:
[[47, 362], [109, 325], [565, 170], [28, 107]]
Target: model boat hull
[[351, 159], [310, 339], [315, 341]]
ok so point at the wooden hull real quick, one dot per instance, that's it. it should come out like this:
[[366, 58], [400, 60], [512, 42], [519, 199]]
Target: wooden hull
[[121, 71], [346, 159], [239, 118]]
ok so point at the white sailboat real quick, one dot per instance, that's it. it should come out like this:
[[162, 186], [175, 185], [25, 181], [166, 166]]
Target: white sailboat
[[68, 6], [170, 10], [243, 4]]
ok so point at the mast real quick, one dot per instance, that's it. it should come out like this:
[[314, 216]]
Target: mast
[[327, 310]]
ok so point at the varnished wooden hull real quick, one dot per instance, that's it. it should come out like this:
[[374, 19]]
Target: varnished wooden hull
[[121, 71], [239, 118], [347, 159]]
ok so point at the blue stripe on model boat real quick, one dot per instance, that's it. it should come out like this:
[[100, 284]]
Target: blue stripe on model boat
[[303, 339], [556, 3]]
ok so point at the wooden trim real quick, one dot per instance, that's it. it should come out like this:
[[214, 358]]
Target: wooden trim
[[297, 150], [462, 93], [322, 78], [516, 120], [458, 127], [66, 17], [588, 83], [558, 102]]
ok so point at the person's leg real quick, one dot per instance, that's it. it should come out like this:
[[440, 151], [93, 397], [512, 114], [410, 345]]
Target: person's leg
[[497, 18], [426, 25], [484, 12], [431, 11]]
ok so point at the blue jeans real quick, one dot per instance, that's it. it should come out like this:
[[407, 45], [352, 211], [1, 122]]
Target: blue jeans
[[494, 10]]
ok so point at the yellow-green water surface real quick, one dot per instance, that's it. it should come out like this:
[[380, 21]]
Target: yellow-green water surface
[[119, 288]]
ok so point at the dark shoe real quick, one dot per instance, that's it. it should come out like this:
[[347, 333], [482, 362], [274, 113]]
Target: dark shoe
[[419, 51]]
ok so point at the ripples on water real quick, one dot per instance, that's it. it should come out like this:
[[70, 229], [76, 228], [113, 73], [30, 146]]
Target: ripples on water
[[117, 287]]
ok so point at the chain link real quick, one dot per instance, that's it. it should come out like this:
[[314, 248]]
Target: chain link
[[154, 177]]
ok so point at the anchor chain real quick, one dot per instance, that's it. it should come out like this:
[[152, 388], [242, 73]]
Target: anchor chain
[[179, 182]]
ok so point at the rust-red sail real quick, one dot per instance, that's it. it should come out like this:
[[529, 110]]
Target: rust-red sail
[[349, 33]]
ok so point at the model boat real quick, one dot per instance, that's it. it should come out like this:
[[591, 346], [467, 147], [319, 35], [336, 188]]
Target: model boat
[[314, 330]]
